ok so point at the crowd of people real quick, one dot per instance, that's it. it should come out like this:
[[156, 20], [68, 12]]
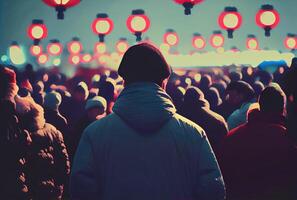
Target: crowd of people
[[148, 132]]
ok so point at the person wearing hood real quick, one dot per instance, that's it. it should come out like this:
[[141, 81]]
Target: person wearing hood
[[48, 163], [144, 149], [257, 159], [197, 109], [14, 142]]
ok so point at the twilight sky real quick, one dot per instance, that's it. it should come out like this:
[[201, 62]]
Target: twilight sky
[[16, 15]]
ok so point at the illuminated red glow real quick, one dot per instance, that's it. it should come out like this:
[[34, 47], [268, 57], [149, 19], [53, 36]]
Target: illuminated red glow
[[102, 26], [267, 18], [171, 38], [138, 23], [230, 19], [42, 59], [217, 39], [37, 31], [35, 50], [291, 41], [198, 42], [252, 43], [75, 46], [100, 47], [86, 58], [74, 59], [122, 46], [54, 48]]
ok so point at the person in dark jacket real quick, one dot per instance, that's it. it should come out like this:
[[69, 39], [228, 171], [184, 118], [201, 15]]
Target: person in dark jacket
[[52, 115], [48, 163], [257, 159], [144, 149], [14, 142], [197, 109]]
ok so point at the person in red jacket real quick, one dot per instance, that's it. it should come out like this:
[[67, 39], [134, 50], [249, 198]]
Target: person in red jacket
[[256, 158]]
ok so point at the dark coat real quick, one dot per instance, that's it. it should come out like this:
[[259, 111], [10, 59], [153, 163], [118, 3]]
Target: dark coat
[[257, 159], [48, 162], [213, 124], [14, 144], [55, 118]]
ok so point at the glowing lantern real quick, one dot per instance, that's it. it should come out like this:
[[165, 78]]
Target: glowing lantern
[[291, 41], [61, 5], [252, 42], [122, 45], [74, 59], [54, 48], [74, 47], [171, 37], [217, 39], [37, 31], [16, 54], [188, 4], [35, 50], [102, 26], [100, 47], [230, 20], [42, 59], [198, 41], [138, 23], [267, 18], [86, 58]]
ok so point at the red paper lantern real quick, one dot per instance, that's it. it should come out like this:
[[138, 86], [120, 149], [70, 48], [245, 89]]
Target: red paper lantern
[[61, 5], [102, 26], [252, 42], [122, 45], [42, 59], [54, 48], [188, 4], [86, 58], [230, 20], [171, 37], [217, 39], [198, 41], [267, 18], [74, 46], [37, 31], [291, 41], [100, 48], [138, 23], [74, 59], [35, 50]]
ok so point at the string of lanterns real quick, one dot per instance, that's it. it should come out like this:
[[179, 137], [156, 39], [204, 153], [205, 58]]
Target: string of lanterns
[[138, 23]]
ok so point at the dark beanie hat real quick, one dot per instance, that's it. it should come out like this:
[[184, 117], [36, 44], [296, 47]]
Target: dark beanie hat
[[144, 63], [272, 99]]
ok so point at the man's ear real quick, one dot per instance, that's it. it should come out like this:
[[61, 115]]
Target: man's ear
[[164, 83]]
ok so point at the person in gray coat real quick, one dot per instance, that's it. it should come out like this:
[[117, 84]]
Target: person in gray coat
[[144, 149]]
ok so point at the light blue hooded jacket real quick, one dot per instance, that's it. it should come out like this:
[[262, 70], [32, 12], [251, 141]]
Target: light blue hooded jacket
[[145, 151]]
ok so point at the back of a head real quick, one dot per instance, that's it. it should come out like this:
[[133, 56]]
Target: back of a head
[[144, 63], [272, 99], [243, 88], [194, 95]]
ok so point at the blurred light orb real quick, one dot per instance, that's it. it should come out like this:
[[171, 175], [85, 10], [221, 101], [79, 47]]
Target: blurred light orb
[[35, 50], [56, 61], [100, 48], [42, 59], [16, 54]]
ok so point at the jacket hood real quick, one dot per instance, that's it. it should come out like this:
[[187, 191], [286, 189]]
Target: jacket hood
[[145, 106]]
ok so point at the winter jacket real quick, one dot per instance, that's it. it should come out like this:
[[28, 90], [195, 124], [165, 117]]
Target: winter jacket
[[213, 124], [48, 163], [144, 150], [258, 160], [14, 145]]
